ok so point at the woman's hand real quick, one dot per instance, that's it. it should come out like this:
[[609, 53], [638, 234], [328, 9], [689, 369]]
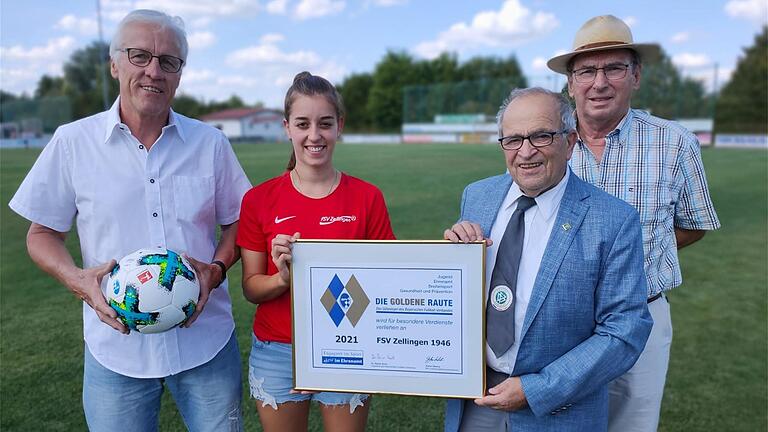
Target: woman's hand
[[281, 255]]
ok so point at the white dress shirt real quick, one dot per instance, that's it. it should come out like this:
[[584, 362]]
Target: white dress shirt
[[123, 198], [539, 220]]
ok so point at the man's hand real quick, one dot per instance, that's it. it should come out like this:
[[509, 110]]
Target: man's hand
[[86, 285], [46, 248], [507, 396], [465, 232], [210, 277]]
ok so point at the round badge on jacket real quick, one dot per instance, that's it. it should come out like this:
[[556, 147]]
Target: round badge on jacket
[[501, 297]]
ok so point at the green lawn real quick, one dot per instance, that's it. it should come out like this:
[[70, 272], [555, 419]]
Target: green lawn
[[718, 372]]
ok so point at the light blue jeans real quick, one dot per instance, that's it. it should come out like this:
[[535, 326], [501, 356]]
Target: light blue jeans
[[208, 396], [271, 379]]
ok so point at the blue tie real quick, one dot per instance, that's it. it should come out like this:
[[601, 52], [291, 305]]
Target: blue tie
[[500, 310]]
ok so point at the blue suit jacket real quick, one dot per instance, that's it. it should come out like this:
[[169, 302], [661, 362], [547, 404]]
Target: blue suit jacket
[[587, 321]]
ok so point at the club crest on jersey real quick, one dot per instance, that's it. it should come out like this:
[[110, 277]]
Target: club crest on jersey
[[327, 220]]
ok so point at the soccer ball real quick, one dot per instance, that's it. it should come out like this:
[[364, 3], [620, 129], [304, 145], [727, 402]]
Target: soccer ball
[[153, 290]]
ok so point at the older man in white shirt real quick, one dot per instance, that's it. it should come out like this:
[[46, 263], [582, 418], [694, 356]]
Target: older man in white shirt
[[143, 176]]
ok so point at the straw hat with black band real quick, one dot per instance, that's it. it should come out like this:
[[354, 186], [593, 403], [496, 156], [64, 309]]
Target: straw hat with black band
[[603, 33]]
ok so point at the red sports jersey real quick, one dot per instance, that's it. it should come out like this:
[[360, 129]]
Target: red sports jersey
[[355, 210]]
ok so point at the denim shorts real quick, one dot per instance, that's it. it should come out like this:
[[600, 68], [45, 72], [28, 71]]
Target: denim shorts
[[270, 375]]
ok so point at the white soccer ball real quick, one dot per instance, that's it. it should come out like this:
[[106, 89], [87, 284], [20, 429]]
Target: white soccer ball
[[153, 290]]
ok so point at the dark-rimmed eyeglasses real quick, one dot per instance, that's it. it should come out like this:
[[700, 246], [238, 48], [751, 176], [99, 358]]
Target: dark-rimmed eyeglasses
[[613, 72], [537, 139], [142, 58]]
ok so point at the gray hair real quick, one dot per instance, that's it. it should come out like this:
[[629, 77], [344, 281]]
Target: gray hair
[[567, 120], [146, 16]]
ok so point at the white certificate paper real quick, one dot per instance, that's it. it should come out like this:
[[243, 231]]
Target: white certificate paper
[[389, 317]]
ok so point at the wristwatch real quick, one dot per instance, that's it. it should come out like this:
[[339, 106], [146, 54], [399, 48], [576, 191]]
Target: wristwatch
[[223, 271]]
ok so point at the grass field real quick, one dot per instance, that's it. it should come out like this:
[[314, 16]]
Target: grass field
[[718, 372]]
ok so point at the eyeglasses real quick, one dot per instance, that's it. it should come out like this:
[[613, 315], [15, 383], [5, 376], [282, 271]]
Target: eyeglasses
[[613, 72], [537, 139], [142, 58]]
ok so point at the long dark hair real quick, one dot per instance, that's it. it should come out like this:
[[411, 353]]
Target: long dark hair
[[306, 84]]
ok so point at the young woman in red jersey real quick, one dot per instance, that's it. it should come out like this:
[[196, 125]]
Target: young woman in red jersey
[[312, 199]]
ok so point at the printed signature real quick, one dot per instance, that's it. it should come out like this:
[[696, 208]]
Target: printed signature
[[378, 356]]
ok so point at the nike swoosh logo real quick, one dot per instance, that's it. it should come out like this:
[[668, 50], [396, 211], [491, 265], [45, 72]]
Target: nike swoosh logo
[[278, 220]]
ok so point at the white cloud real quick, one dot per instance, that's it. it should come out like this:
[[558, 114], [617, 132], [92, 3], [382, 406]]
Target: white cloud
[[277, 7], [688, 60], [388, 3], [680, 37], [201, 22], [271, 38], [707, 77], [268, 54], [329, 70], [55, 49], [23, 66], [512, 25], [630, 20], [307, 9], [198, 13], [539, 64], [201, 39], [83, 26], [270, 71], [251, 89], [238, 80], [116, 10], [19, 80], [751, 10], [193, 76], [200, 8]]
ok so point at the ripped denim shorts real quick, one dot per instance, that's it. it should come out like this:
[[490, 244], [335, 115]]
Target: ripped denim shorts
[[270, 376]]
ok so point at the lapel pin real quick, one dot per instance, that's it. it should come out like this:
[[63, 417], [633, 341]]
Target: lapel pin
[[566, 226]]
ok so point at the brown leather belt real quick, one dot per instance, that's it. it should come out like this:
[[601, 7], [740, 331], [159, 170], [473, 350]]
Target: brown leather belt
[[494, 377]]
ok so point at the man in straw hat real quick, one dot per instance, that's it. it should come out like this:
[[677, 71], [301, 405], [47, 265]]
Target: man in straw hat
[[653, 164]]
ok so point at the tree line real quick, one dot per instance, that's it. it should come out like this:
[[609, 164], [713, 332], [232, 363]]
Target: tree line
[[376, 101], [403, 88], [743, 103], [400, 85], [78, 93]]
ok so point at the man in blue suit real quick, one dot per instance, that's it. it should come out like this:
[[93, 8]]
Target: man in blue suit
[[566, 310]]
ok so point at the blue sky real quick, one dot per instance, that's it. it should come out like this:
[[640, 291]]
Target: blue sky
[[253, 48]]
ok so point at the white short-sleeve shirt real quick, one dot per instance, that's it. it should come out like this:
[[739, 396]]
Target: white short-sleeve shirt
[[539, 221], [124, 198]]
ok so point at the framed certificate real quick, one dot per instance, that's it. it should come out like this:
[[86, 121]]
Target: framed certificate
[[388, 316]]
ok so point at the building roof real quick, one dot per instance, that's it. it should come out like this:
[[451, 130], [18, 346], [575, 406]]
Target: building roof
[[237, 113]]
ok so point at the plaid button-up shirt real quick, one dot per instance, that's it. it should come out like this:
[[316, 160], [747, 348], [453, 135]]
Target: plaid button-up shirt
[[655, 165]]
